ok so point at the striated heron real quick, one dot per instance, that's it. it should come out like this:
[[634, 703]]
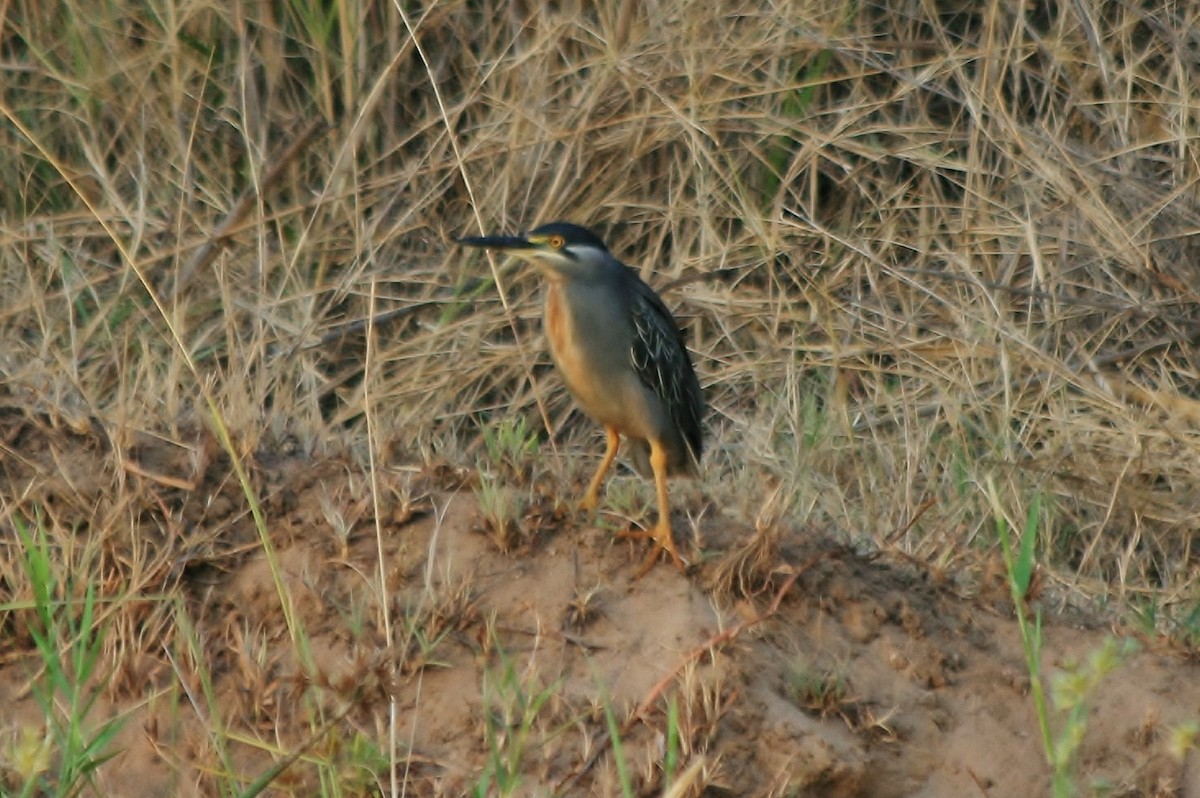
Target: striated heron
[[622, 357]]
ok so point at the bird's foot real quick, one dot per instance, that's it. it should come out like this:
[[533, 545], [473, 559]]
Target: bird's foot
[[660, 541], [590, 499]]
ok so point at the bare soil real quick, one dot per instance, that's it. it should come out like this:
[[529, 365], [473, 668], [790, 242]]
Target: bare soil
[[796, 664]]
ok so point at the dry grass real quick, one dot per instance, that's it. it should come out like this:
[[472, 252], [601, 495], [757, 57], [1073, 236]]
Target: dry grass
[[910, 250], [914, 246]]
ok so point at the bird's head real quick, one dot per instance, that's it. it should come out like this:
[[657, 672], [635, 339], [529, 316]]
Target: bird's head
[[558, 248]]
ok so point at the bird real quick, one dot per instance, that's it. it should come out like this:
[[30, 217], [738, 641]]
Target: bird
[[622, 357]]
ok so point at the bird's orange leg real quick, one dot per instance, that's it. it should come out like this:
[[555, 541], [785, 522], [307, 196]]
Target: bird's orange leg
[[592, 497], [662, 530]]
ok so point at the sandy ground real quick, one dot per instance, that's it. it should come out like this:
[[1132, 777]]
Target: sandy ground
[[794, 664]]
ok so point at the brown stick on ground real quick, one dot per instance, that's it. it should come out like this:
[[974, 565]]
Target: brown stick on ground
[[719, 639]]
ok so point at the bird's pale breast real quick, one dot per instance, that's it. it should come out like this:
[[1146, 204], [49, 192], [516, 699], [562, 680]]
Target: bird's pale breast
[[605, 397]]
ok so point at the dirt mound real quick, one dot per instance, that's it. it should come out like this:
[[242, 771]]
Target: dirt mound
[[782, 662]]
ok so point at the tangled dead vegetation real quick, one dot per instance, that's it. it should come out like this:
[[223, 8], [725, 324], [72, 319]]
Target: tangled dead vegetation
[[911, 252], [936, 264]]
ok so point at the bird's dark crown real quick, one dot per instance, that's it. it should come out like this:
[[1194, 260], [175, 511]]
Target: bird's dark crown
[[571, 234]]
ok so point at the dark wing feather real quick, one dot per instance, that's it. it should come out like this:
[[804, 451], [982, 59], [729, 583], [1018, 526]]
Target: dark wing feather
[[661, 360]]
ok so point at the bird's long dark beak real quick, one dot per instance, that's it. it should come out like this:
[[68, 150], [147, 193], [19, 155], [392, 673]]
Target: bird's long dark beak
[[498, 242]]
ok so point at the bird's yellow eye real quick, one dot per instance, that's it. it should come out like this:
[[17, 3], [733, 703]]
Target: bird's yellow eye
[[556, 242]]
